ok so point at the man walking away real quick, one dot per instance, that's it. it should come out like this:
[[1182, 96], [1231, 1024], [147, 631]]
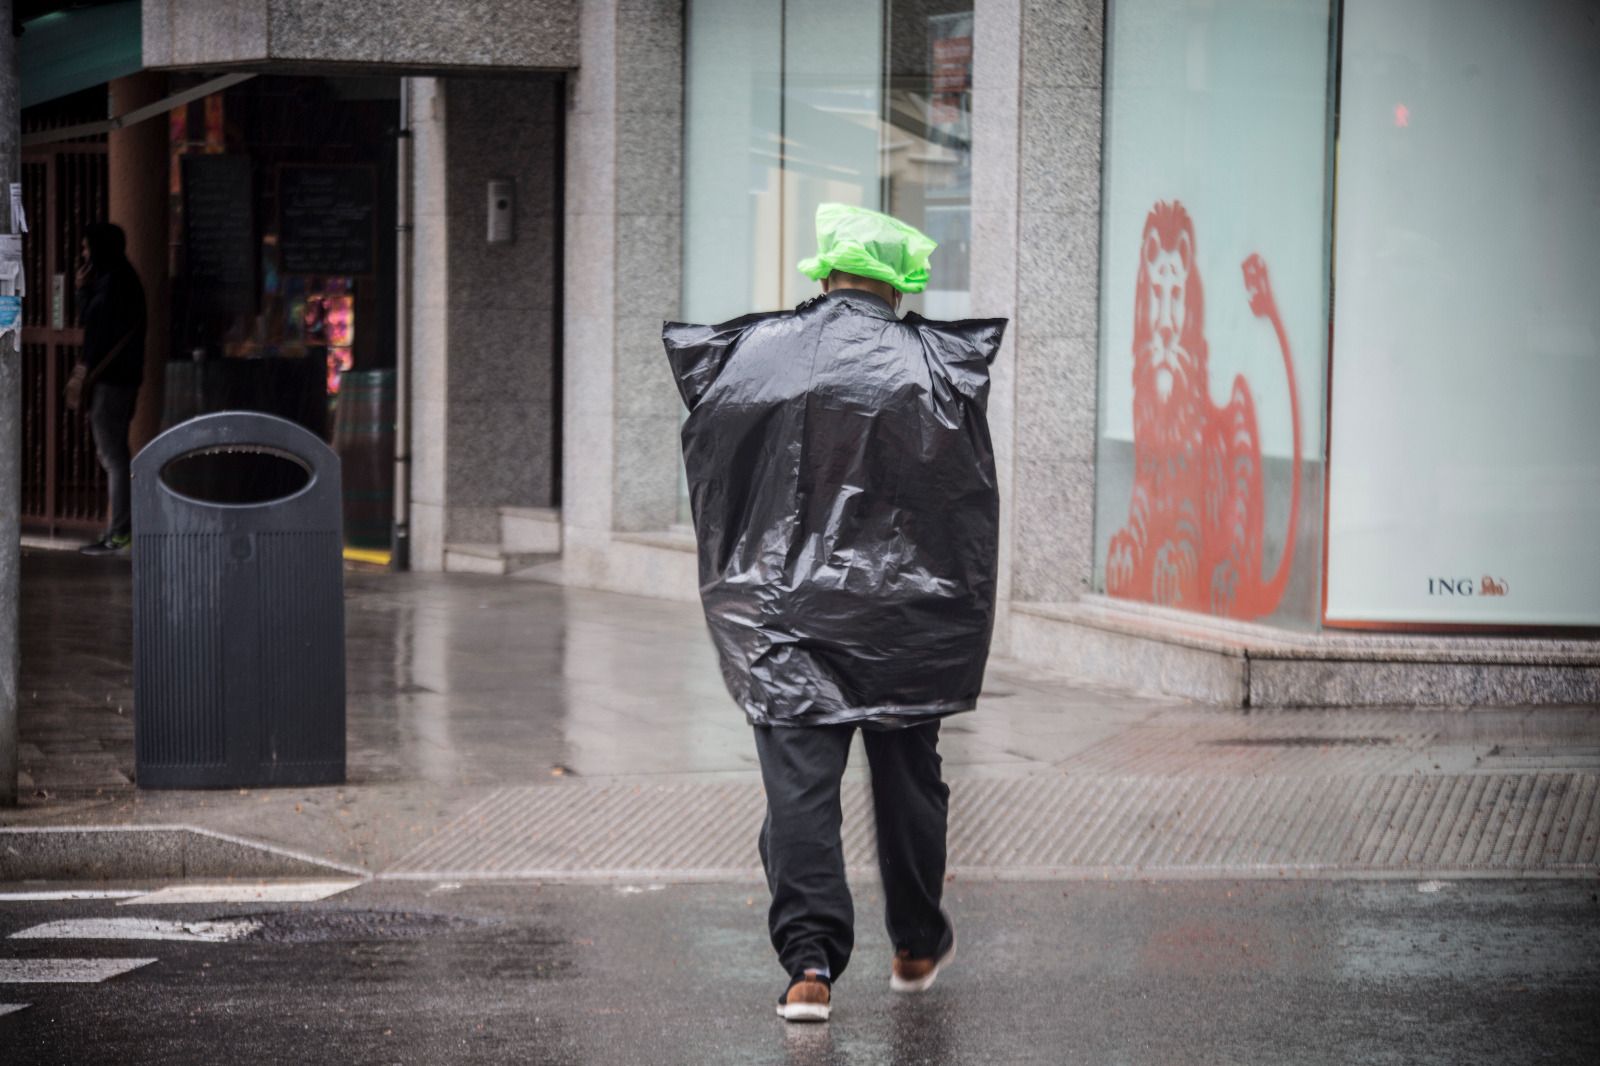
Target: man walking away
[[111, 306], [843, 488]]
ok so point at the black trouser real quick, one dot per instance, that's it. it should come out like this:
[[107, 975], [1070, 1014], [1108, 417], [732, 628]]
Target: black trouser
[[812, 919], [110, 415]]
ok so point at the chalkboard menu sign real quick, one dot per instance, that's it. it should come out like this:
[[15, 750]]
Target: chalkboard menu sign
[[327, 223], [219, 231]]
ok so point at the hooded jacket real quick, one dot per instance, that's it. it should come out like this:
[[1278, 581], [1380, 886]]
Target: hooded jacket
[[843, 487], [111, 307]]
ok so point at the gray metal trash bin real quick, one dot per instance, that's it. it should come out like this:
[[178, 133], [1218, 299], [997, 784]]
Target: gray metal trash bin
[[238, 593]]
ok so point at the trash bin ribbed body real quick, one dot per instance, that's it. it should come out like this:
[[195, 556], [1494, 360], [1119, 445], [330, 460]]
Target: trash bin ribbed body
[[238, 633]]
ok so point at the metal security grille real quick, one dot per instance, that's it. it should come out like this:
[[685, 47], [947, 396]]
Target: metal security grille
[[64, 188], [1058, 826]]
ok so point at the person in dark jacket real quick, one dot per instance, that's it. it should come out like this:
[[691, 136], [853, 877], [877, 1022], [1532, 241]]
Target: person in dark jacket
[[843, 488], [112, 309]]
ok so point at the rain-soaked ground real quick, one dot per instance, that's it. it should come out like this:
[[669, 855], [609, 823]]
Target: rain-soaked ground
[[479, 706], [1494, 972], [1181, 914], [462, 680]]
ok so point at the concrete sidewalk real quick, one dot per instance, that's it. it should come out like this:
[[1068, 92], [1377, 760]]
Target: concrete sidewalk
[[513, 729]]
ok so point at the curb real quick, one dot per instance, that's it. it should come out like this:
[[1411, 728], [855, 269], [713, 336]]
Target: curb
[[150, 852]]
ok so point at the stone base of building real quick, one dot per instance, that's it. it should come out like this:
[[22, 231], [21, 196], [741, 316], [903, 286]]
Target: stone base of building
[[1141, 648], [1152, 649], [661, 565]]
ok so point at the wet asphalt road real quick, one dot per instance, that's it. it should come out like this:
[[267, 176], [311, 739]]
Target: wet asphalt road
[[1304, 972]]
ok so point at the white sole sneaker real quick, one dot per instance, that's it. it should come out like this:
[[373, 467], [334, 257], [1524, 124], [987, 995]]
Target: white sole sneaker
[[922, 984], [804, 1012]]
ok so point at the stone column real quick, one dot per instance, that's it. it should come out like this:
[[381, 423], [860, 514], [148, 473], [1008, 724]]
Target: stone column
[[1061, 44], [137, 162], [624, 205], [996, 133], [430, 279], [649, 232]]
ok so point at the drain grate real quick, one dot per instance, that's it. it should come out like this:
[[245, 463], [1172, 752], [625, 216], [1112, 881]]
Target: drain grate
[[1056, 826]]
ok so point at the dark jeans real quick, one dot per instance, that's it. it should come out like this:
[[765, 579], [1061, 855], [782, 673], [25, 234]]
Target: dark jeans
[[812, 919], [110, 415]]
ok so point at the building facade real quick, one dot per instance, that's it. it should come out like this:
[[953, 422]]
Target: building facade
[[1296, 407]]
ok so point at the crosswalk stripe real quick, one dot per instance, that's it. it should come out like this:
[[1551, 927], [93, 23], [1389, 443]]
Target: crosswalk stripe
[[65, 971], [76, 893], [277, 892], [138, 929], [12, 1008]]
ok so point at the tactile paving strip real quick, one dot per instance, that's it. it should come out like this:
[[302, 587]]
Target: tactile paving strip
[[1056, 826]]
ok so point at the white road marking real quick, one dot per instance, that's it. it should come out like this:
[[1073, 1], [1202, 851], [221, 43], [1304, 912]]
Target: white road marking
[[277, 892], [77, 893], [138, 929], [64, 971], [1430, 886], [12, 1008]]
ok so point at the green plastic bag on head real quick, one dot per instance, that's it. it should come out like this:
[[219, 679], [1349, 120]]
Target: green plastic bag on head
[[869, 244]]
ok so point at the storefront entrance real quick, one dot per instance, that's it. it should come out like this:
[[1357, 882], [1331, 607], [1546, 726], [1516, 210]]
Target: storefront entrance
[[267, 256]]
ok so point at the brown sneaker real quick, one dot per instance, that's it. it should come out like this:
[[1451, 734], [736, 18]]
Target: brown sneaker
[[807, 1000], [917, 975]]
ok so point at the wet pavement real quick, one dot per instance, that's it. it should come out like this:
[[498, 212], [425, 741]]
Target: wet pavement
[[1136, 880], [459, 680], [479, 706], [1250, 972], [456, 685]]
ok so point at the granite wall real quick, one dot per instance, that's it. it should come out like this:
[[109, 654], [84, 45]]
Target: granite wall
[[996, 80], [485, 316], [415, 34], [503, 343], [1036, 260], [1058, 269], [622, 268]]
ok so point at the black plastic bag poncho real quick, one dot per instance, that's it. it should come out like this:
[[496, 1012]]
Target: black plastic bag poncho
[[843, 487]]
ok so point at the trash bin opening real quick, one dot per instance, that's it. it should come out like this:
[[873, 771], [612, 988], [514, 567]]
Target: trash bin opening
[[236, 474]]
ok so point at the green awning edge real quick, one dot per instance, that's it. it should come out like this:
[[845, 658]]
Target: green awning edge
[[64, 52]]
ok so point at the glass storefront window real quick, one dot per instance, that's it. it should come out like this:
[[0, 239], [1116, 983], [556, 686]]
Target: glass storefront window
[[782, 114], [928, 142], [1464, 472], [1213, 305], [789, 105]]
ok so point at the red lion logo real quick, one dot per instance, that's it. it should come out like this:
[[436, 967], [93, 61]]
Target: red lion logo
[[1194, 532]]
